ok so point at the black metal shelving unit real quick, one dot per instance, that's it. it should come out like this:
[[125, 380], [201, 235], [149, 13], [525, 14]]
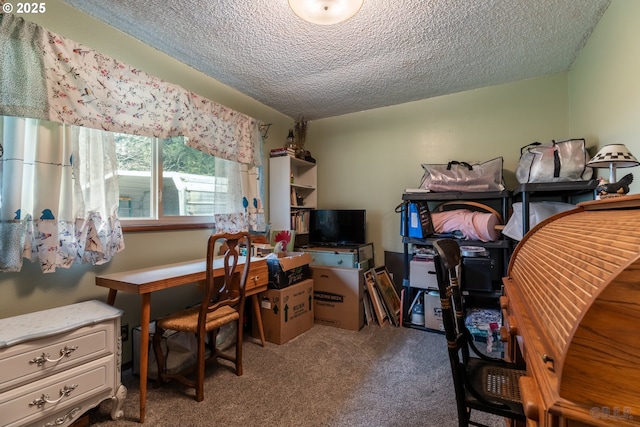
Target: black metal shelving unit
[[503, 246], [565, 191]]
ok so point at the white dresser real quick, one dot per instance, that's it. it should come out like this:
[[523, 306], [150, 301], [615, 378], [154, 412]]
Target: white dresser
[[56, 364]]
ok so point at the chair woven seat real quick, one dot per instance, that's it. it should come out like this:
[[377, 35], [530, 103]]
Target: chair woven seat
[[187, 320], [502, 382]]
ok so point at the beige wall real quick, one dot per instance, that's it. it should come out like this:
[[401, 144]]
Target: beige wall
[[366, 159], [604, 84]]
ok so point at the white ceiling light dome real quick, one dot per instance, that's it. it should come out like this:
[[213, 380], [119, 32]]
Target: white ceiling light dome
[[325, 12]]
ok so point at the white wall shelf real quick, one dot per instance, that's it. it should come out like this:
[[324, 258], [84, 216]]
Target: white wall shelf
[[292, 193]]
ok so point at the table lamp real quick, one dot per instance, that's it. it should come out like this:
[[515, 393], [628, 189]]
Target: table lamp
[[613, 156]]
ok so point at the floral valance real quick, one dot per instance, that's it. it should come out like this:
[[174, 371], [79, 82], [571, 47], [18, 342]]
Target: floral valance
[[46, 76]]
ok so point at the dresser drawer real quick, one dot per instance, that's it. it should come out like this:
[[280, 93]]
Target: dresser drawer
[[57, 393], [258, 275], [334, 259], [39, 358], [64, 417]]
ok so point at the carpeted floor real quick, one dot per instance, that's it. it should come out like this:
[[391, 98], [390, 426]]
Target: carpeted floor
[[325, 377]]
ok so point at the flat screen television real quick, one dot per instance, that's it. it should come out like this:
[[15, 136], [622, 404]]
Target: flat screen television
[[337, 226]]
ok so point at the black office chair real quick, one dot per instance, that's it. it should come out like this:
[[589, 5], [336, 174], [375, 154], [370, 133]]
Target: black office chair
[[481, 382]]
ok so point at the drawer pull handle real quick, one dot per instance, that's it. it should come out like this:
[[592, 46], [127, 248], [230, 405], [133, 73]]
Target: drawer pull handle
[[64, 392], [62, 420], [41, 360]]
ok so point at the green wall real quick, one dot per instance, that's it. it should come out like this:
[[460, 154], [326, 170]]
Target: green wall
[[366, 159], [604, 84]]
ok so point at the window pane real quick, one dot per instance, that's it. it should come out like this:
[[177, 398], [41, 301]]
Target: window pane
[[135, 160], [189, 182]]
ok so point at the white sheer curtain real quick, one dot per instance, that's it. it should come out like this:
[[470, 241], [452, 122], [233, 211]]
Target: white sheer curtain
[[59, 195], [242, 207], [49, 77]]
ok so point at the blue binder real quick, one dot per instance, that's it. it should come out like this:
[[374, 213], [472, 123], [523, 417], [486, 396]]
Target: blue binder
[[420, 225]]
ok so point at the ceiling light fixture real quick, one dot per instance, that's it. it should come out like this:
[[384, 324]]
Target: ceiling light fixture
[[325, 12]]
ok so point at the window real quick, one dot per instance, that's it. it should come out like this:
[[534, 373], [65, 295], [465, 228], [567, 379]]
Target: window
[[164, 182]]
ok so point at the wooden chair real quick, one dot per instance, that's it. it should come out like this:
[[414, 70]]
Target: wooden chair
[[222, 303], [481, 382]]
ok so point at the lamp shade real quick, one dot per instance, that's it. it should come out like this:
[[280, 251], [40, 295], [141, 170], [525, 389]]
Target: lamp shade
[[613, 156], [613, 153], [325, 12]]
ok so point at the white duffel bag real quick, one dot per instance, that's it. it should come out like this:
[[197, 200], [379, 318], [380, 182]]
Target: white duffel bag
[[556, 162]]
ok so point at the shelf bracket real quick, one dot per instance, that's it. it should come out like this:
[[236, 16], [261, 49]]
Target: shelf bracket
[[264, 127]]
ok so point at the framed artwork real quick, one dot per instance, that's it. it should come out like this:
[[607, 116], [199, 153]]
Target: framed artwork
[[388, 291], [374, 297]]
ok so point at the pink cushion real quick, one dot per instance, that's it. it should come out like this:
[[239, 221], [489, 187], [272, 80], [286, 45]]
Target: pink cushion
[[472, 224]]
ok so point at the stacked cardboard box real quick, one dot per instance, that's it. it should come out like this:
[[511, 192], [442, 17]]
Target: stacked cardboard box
[[286, 313], [338, 294], [287, 270]]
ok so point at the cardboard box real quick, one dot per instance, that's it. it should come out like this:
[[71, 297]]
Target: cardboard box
[[433, 311], [422, 274], [284, 271], [338, 294], [286, 313]]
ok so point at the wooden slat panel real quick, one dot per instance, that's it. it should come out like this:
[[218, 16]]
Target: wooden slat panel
[[565, 263], [605, 349]]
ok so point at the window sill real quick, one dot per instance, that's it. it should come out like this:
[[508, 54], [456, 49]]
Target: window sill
[[136, 228]]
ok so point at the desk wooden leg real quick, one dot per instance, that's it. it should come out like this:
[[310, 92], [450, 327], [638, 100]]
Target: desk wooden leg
[[111, 299], [145, 318], [258, 316]]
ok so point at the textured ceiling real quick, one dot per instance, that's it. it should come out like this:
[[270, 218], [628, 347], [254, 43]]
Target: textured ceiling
[[391, 52]]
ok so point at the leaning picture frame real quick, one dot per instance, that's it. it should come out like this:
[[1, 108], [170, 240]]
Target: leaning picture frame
[[378, 304], [388, 290]]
